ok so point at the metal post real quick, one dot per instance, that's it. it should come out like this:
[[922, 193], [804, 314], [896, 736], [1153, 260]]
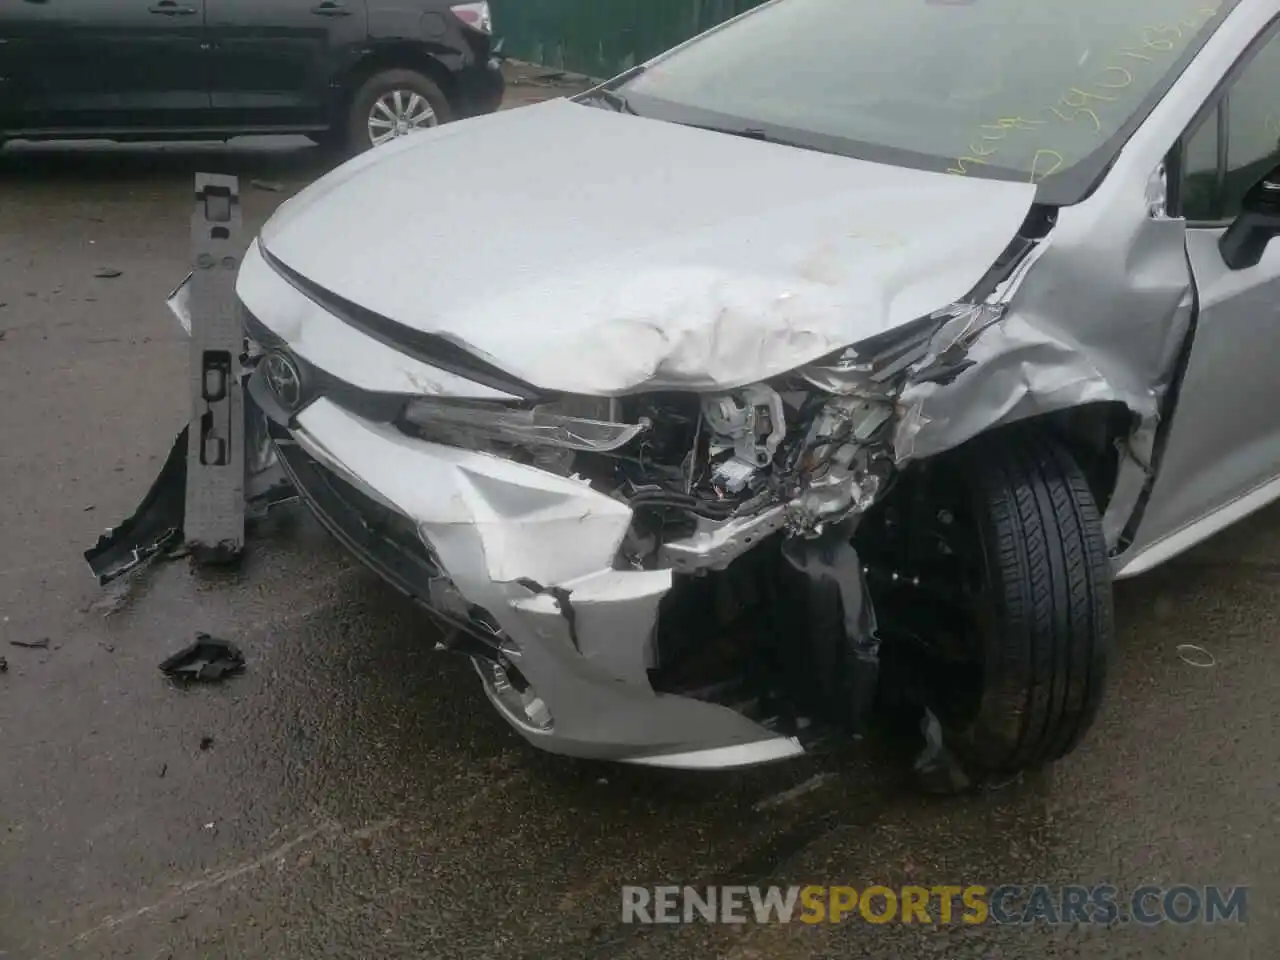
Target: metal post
[[215, 507]]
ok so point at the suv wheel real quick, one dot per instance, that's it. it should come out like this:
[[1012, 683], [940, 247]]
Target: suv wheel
[[391, 104]]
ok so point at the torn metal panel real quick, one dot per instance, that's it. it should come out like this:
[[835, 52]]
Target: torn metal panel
[[717, 543], [1099, 315], [508, 521], [535, 553], [611, 617], [625, 272]]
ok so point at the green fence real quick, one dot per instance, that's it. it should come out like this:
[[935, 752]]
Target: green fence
[[603, 37]]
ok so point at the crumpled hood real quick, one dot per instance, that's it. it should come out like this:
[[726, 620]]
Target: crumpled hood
[[592, 252]]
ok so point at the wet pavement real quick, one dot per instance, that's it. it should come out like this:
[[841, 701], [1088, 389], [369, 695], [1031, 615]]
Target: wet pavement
[[352, 795]]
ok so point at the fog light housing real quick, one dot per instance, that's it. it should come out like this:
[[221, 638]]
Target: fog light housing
[[512, 692]]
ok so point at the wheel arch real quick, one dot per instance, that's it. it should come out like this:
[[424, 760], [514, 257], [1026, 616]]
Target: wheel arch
[[1091, 433], [394, 55]]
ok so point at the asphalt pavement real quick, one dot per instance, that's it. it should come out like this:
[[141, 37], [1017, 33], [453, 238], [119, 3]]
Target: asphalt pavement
[[352, 794]]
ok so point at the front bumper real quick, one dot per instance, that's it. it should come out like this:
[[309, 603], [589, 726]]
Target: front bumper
[[479, 88], [524, 558]]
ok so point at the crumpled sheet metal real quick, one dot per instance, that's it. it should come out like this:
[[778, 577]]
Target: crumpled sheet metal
[[331, 344], [1098, 317], [1019, 371], [509, 522], [613, 614], [536, 551], [626, 272]]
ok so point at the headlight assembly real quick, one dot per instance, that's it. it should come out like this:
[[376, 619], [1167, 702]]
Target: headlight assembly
[[455, 422]]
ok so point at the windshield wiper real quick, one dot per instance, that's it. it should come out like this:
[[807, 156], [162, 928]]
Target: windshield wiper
[[754, 133], [610, 95], [750, 133], [614, 99]]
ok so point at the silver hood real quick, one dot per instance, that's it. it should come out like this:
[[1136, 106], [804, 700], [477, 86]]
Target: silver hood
[[592, 252]]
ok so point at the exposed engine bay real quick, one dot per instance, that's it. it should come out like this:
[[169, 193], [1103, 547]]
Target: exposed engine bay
[[710, 476], [751, 497]]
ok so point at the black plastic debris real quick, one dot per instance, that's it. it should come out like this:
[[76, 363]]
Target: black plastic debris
[[154, 527], [937, 769], [830, 626], [206, 743], [107, 273], [208, 659], [4, 665], [41, 644]]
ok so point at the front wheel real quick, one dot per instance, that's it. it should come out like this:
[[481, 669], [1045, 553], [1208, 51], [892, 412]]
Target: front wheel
[[1013, 657], [391, 104]]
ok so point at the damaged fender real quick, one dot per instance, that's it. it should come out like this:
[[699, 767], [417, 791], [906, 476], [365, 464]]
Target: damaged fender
[[1089, 316]]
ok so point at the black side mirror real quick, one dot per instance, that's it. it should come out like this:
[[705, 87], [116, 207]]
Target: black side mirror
[[1258, 224]]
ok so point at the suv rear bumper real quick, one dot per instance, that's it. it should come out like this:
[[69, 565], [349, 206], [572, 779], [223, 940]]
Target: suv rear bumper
[[479, 89]]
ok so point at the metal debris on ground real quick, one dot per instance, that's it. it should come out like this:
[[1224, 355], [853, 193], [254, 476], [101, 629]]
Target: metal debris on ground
[[1194, 655], [209, 659], [41, 644], [815, 782], [107, 273], [4, 665]]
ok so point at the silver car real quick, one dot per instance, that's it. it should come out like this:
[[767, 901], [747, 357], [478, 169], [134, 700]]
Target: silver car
[[843, 355]]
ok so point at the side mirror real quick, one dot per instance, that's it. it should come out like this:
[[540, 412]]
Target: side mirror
[[1258, 224]]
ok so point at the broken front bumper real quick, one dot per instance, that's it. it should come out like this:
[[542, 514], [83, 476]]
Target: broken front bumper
[[522, 561]]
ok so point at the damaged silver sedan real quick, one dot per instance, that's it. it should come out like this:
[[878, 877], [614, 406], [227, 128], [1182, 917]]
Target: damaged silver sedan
[[845, 353]]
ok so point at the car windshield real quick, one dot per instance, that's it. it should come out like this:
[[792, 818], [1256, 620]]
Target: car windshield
[[1010, 89]]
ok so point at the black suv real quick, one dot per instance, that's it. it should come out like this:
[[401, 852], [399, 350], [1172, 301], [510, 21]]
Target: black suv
[[344, 72]]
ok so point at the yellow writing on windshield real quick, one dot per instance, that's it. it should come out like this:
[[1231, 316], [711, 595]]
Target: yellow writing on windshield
[[1083, 103], [1117, 78], [1045, 164], [992, 132]]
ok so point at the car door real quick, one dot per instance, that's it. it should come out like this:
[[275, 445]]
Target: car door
[[25, 29], [1222, 455], [113, 64], [274, 60]]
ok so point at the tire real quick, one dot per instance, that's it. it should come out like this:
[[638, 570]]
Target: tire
[[356, 126], [1047, 623]]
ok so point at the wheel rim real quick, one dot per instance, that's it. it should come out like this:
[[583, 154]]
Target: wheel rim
[[398, 113]]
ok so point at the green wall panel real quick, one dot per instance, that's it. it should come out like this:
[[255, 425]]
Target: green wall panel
[[603, 37]]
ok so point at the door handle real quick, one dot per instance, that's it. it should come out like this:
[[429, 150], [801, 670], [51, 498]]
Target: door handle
[[330, 9], [168, 8]]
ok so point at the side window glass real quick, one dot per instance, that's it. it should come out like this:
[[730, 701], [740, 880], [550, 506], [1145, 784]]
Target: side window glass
[[1214, 192], [1201, 194], [1253, 139]]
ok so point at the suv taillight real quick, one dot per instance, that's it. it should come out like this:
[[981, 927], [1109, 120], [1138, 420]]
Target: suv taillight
[[475, 15]]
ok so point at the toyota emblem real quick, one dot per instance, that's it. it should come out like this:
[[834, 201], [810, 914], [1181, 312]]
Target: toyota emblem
[[284, 378]]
